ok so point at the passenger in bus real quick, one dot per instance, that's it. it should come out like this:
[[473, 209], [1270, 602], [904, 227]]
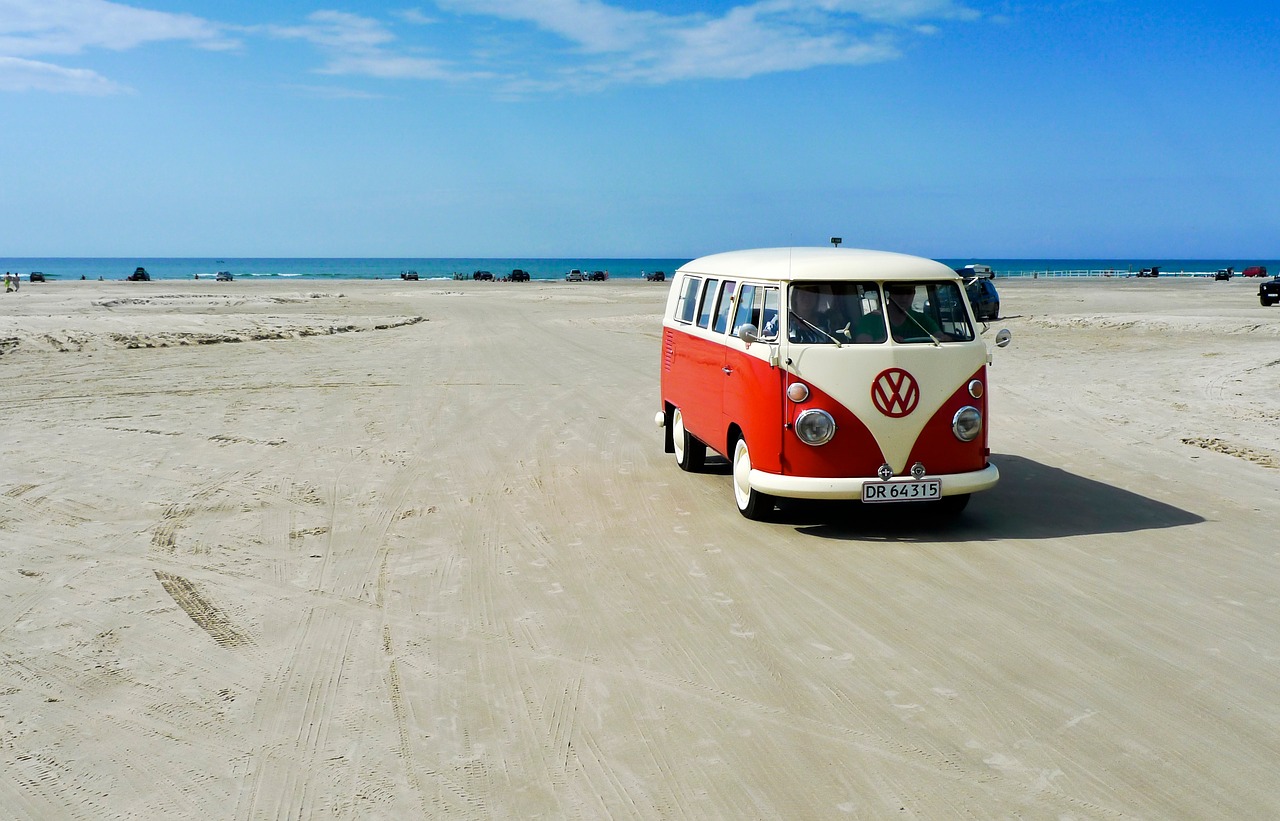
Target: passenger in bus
[[816, 317], [906, 323]]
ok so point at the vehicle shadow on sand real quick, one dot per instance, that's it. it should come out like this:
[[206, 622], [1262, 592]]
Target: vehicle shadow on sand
[[1032, 501]]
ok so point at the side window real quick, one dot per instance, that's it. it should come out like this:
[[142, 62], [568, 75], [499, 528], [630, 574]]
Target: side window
[[748, 312], [723, 304], [708, 295], [688, 299], [769, 302]]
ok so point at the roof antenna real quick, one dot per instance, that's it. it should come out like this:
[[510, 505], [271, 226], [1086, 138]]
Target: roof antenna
[[836, 241]]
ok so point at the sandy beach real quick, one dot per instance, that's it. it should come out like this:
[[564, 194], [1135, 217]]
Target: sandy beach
[[384, 549]]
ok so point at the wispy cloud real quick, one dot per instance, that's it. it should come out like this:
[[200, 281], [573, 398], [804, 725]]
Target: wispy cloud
[[590, 25], [414, 16], [335, 92], [17, 74], [604, 45], [513, 46], [362, 46], [32, 28]]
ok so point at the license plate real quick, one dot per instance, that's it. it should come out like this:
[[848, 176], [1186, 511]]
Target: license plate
[[917, 491]]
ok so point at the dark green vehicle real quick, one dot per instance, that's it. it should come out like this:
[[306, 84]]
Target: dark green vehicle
[[1269, 292]]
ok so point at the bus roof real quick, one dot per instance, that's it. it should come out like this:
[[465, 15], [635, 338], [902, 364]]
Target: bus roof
[[819, 263]]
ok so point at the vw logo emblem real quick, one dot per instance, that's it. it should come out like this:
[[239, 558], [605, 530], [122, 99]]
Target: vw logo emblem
[[895, 393]]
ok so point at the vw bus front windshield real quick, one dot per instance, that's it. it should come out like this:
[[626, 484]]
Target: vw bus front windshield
[[842, 313]]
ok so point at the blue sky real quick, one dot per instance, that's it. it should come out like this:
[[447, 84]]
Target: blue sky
[[649, 128]]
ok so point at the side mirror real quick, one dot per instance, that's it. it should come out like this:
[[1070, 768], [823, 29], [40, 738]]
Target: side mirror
[[1003, 337], [748, 333]]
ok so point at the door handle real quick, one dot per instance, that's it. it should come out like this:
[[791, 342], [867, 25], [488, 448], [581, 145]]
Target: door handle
[[727, 370]]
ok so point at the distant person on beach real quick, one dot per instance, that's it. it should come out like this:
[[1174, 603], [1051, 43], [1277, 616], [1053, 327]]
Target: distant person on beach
[[8, 287]]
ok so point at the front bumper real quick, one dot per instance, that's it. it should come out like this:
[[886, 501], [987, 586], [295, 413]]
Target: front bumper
[[850, 487]]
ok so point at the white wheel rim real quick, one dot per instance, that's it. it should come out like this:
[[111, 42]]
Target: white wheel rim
[[741, 474], [677, 434]]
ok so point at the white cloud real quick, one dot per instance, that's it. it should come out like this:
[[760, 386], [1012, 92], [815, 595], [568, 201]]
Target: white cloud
[[17, 74], [520, 46], [617, 45], [749, 41], [338, 31], [389, 67], [594, 26], [336, 93], [30, 28], [360, 46], [415, 16]]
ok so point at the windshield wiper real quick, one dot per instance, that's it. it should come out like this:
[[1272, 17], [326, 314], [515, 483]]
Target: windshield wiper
[[927, 332], [795, 315]]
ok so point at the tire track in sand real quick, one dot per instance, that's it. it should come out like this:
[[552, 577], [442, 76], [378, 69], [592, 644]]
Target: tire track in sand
[[290, 771], [207, 616]]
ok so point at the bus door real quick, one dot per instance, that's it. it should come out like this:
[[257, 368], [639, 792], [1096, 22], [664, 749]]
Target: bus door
[[754, 381]]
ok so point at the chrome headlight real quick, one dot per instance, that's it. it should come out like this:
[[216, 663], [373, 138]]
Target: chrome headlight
[[967, 423], [815, 427]]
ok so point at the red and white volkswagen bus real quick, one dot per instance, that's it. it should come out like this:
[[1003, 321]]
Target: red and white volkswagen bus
[[827, 373]]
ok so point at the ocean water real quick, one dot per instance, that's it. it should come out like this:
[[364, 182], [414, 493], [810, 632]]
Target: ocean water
[[1114, 267], [323, 268], [163, 268]]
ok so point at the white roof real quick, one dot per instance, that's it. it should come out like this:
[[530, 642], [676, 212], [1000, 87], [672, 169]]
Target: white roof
[[818, 263]]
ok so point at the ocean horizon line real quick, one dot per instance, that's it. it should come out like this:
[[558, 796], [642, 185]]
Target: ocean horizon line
[[542, 268]]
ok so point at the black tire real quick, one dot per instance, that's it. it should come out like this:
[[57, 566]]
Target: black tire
[[691, 454], [752, 504]]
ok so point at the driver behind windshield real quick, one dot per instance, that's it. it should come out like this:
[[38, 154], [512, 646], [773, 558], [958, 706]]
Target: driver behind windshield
[[906, 323]]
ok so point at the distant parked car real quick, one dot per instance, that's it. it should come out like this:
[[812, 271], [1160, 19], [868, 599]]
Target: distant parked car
[[599, 276], [1269, 292], [1223, 274], [519, 275], [1153, 271], [656, 276], [36, 276], [223, 276], [981, 291], [984, 298], [1254, 271], [482, 276], [409, 275], [575, 276], [139, 275]]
